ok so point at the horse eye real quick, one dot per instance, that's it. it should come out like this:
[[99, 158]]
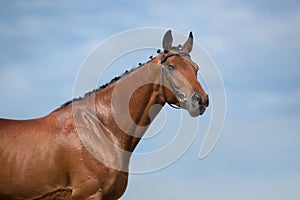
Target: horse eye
[[171, 67]]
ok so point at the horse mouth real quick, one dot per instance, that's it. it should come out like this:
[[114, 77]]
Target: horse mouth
[[197, 112], [202, 109]]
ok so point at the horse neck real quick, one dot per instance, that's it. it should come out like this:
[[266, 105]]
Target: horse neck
[[134, 101]]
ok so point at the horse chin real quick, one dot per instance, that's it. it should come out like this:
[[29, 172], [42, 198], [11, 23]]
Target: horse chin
[[193, 114]]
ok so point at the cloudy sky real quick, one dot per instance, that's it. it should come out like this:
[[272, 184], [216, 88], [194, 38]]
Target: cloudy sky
[[255, 45]]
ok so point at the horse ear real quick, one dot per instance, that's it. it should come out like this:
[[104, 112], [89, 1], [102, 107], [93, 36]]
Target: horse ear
[[188, 45], [167, 41]]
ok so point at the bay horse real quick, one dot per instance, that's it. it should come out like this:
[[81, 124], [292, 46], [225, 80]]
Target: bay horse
[[47, 158]]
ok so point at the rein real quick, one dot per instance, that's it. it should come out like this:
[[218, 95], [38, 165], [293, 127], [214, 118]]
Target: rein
[[180, 96]]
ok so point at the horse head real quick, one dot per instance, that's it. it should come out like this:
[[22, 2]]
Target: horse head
[[180, 85]]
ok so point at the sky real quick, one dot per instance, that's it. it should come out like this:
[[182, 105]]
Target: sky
[[254, 44]]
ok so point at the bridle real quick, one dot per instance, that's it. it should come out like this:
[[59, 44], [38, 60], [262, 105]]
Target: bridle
[[180, 96]]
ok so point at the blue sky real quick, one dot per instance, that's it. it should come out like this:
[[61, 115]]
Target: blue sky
[[255, 45]]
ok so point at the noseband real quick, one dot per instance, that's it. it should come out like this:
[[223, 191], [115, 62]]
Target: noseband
[[180, 96]]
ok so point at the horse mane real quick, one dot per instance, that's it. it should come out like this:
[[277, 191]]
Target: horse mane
[[108, 83]]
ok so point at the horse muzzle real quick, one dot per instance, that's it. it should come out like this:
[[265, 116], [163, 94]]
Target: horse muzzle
[[196, 105]]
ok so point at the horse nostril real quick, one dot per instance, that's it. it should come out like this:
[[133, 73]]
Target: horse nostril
[[207, 101], [196, 98], [201, 101]]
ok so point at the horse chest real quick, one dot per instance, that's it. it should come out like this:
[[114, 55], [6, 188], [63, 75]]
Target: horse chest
[[117, 185], [88, 176], [111, 185]]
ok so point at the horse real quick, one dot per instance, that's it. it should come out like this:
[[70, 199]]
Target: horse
[[81, 150]]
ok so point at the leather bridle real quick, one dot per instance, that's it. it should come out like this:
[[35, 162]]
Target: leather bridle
[[180, 95]]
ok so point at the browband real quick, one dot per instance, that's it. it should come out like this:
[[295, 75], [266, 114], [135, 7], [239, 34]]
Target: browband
[[179, 53]]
